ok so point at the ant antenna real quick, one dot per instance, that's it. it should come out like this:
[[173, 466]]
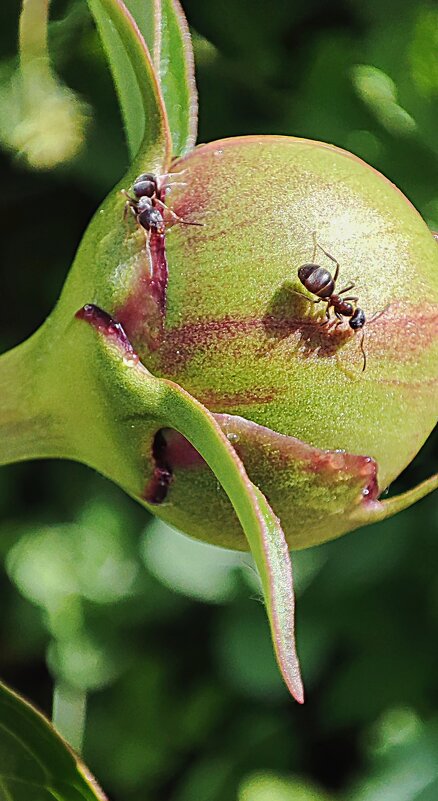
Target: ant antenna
[[363, 351]]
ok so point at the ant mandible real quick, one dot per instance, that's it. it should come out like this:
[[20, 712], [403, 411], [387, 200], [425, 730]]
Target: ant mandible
[[147, 196], [322, 283]]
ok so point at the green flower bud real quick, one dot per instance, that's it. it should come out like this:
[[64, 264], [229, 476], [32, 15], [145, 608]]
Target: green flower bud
[[219, 309]]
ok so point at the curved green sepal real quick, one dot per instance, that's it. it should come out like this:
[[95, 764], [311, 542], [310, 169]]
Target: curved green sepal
[[164, 27], [137, 85], [380, 510], [35, 762], [113, 407]]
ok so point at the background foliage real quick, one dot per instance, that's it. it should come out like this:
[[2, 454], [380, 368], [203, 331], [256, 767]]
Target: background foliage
[[167, 635]]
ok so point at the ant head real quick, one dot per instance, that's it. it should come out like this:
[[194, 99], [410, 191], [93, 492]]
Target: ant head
[[358, 319], [145, 185]]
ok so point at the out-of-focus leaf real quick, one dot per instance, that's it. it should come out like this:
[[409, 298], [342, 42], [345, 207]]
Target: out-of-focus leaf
[[35, 763], [270, 787], [137, 84], [189, 566], [407, 771], [379, 92], [164, 27]]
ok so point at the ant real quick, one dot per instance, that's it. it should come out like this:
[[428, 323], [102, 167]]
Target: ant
[[147, 196], [322, 283]]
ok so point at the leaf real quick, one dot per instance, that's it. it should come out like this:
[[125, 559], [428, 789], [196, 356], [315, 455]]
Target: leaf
[[268, 786], [388, 507], [137, 85], [35, 763], [140, 404], [404, 770], [177, 76], [164, 27]]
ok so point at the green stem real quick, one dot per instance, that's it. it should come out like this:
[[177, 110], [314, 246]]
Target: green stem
[[52, 405], [26, 429], [33, 37], [69, 714]]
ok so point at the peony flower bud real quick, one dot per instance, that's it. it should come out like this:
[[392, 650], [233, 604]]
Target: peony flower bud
[[219, 309]]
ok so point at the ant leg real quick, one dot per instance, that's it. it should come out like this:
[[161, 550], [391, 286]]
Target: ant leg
[[347, 289], [148, 252], [171, 174], [174, 214], [332, 258], [327, 314], [351, 297], [297, 292], [131, 200], [176, 183], [302, 295], [163, 182], [128, 205]]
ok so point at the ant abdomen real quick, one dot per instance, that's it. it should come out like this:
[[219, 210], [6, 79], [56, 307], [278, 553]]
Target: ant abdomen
[[143, 189], [317, 280], [151, 219]]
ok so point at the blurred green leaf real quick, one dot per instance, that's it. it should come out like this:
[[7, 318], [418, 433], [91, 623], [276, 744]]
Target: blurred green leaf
[[379, 93], [137, 84], [423, 52], [35, 763], [190, 566], [269, 787], [406, 769]]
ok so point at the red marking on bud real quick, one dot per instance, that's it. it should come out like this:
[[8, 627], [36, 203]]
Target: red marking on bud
[[108, 327], [228, 400], [183, 343], [399, 332], [144, 311], [402, 330], [158, 485]]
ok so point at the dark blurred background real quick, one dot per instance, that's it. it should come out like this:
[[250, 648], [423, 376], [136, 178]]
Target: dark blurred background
[[165, 635]]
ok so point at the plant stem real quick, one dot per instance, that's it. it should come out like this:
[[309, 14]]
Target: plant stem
[[69, 714], [26, 431], [33, 36]]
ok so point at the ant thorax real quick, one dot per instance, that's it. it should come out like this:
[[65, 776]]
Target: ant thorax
[[144, 203]]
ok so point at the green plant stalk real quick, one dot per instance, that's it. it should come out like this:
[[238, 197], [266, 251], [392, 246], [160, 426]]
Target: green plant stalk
[[27, 430], [33, 39], [69, 714]]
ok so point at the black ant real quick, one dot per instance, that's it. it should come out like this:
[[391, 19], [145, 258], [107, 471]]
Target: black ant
[[322, 283], [147, 196]]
